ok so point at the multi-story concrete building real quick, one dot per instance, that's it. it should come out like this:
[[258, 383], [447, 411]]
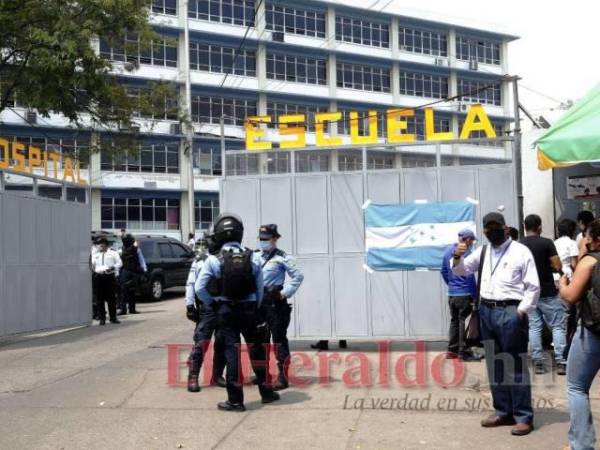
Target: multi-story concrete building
[[244, 58]]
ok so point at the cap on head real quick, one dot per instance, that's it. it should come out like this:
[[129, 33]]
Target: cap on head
[[268, 232], [493, 217], [467, 233], [101, 240]]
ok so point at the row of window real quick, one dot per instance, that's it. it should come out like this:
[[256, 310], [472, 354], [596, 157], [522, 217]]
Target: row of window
[[150, 158], [221, 59], [76, 148], [423, 85], [423, 41], [160, 52], [479, 92], [364, 78], [276, 109], [164, 7], [166, 108], [235, 12], [234, 111], [207, 159], [153, 214], [298, 69], [468, 49], [361, 31], [295, 20]]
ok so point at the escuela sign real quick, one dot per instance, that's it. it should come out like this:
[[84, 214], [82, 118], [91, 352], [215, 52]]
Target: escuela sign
[[25, 158], [292, 127]]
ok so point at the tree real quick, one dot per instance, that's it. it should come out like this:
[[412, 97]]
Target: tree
[[47, 61]]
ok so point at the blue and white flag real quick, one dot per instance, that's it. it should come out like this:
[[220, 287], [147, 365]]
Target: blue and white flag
[[414, 236]]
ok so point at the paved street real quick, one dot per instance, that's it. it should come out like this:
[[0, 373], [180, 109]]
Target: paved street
[[106, 387]]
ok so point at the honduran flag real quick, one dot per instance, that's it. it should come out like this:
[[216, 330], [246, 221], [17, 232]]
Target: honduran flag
[[414, 236]]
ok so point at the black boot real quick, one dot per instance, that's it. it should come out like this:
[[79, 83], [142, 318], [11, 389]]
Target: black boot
[[102, 321], [228, 406], [218, 381], [269, 397], [192, 385], [282, 379], [115, 320]]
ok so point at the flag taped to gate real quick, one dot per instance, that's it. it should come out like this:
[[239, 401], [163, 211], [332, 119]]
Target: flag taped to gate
[[413, 236]]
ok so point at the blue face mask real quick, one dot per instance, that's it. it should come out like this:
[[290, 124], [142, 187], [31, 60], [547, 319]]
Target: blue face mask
[[265, 246]]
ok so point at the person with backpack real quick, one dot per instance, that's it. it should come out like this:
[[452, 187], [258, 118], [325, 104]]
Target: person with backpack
[[205, 319], [133, 266], [276, 310], [583, 362], [238, 272], [509, 288]]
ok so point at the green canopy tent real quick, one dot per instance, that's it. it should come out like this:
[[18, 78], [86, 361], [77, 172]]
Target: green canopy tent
[[575, 138]]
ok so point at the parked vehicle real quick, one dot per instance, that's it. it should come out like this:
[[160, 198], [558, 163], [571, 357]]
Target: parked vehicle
[[168, 262]]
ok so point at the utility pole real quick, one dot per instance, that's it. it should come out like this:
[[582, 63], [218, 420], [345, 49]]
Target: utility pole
[[517, 159], [189, 131]]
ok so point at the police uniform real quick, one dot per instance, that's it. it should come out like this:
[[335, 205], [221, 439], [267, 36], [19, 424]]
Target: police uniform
[[206, 323], [235, 318], [275, 265], [105, 268], [134, 265]]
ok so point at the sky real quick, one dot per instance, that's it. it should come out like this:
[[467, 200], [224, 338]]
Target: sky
[[557, 55]]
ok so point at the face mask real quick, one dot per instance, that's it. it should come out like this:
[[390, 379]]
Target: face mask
[[496, 236], [265, 246]]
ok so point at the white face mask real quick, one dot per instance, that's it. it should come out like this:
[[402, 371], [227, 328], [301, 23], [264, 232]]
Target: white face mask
[[265, 246]]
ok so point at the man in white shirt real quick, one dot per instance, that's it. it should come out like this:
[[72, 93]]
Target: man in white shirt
[[105, 267], [509, 290], [566, 247]]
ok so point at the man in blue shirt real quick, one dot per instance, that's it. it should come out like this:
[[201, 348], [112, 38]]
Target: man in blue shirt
[[275, 264], [462, 291], [239, 274]]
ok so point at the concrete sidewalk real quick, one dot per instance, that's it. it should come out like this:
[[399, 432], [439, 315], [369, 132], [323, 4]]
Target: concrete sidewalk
[[106, 387]]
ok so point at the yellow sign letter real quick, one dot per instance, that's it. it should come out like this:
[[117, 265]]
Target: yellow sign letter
[[299, 131], [35, 158], [430, 133], [18, 156], [482, 124], [370, 138], [5, 156], [253, 132], [396, 125], [320, 120]]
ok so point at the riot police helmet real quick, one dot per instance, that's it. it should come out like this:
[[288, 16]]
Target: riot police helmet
[[228, 227]]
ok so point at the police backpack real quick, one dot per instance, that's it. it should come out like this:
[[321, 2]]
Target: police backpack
[[589, 309], [237, 274]]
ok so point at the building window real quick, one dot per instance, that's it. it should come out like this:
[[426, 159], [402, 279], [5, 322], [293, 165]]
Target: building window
[[164, 7], [359, 31], [76, 147], [166, 108], [468, 49], [234, 111], [207, 159], [363, 78], [294, 20], [159, 52], [298, 69], [363, 122], [479, 92], [278, 162], [416, 126], [205, 212], [380, 161], [423, 85], [139, 213], [422, 41], [242, 164], [235, 12], [149, 158], [221, 59], [416, 161], [312, 161], [349, 160], [276, 109]]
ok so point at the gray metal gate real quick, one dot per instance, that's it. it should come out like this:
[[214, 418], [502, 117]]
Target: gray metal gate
[[45, 228], [321, 221]]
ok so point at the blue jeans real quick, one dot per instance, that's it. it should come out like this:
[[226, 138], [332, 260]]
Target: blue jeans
[[582, 366], [505, 339], [552, 311]]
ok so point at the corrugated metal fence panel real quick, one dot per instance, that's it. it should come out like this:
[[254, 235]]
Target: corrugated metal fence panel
[[347, 218], [311, 215], [45, 281], [276, 207], [313, 300], [241, 198]]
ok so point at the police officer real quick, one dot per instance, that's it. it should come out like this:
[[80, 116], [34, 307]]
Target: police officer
[[133, 266], [275, 264], [105, 267], [206, 322], [240, 275]]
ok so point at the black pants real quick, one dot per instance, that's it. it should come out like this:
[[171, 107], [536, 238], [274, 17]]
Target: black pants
[[202, 335], [105, 290], [234, 321], [460, 308], [277, 316], [128, 281]]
